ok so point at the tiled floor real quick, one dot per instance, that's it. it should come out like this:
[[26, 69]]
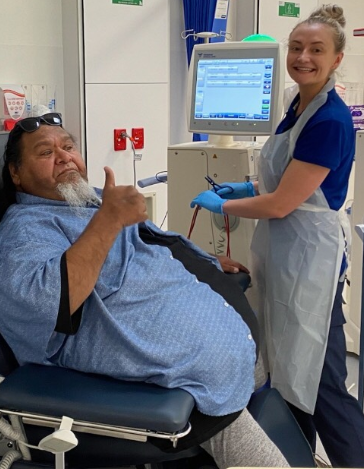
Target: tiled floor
[[352, 362]]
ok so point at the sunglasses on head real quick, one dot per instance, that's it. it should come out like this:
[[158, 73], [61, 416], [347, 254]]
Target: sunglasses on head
[[31, 124]]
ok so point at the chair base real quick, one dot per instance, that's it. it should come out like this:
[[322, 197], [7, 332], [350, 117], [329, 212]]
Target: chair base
[[272, 413]]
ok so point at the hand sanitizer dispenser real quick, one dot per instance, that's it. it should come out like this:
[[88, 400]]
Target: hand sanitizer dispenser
[[12, 105]]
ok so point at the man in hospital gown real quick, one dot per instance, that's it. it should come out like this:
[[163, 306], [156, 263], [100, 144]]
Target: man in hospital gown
[[92, 285]]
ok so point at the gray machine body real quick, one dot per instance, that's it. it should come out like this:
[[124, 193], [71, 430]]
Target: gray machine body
[[188, 164]]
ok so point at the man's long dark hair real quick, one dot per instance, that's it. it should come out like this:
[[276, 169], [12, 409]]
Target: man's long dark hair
[[12, 155]]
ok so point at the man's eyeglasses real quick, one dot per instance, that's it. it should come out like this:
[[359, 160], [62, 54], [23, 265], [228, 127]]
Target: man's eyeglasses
[[31, 124]]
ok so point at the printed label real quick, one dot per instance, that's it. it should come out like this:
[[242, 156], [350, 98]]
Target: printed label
[[129, 2], [357, 113], [289, 9]]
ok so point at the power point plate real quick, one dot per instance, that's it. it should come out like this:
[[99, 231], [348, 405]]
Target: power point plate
[[137, 134], [119, 141]]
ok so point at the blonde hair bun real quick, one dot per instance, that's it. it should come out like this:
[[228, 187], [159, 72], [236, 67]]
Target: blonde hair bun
[[333, 11]]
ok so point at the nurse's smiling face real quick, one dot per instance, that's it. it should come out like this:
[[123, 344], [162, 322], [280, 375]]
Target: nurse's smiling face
[[48, 157], [312, 57]]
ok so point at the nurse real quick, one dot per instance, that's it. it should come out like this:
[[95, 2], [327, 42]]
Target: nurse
[[299, 244]]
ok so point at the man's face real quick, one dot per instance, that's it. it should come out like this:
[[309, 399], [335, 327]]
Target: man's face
[[49, 157]]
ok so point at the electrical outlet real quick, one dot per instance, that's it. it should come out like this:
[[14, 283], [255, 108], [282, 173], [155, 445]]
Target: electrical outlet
[[119, 140], [137, 134]]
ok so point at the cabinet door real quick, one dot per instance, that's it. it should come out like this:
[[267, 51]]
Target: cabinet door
[[124, 106], [126, 43]]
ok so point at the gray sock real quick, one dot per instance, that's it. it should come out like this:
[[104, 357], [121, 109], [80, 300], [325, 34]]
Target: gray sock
[[244, 444]]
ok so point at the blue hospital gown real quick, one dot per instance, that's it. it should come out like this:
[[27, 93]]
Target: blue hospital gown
[[146, 319]]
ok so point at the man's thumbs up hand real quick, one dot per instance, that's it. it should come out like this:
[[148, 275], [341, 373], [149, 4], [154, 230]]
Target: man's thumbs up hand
[[123, 204]]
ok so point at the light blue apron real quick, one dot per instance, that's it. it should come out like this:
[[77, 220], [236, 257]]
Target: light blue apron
[[297, 263]]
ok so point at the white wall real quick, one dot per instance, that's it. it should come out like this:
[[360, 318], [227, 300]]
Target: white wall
[[242, 18], [127, 74], [351, 74], [279, 27], [352, 68], [351, 71], [126, 55], [31, 44], [178, 76], [353, 63], [241, 23], [72, 35], [135, 68]]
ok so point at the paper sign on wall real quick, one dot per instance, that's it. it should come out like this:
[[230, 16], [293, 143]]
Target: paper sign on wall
[[129, 2], [221, 9], [357, 113], [289, 9]]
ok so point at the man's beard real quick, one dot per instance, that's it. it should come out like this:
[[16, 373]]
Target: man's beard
[[78, 193]]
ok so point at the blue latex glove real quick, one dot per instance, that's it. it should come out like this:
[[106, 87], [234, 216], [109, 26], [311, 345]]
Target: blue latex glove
[[210, 201], [240, 190]]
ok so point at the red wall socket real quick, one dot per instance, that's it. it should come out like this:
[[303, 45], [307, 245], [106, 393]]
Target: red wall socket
[[119, 141], [137, 134]]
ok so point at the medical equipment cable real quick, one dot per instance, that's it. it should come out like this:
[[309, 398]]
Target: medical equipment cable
[[227, 229], [193, 221], [125, 135], [134, 160], [215, 188], [220, 244], [162, 177], [17, 425], [159, 177], [8, 458], [17, 434]]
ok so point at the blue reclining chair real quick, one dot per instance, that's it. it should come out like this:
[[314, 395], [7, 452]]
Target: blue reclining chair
[[115, 420]]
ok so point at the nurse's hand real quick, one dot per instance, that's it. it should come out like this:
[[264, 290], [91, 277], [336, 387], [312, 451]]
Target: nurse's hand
[[210, 201], [236, 190]]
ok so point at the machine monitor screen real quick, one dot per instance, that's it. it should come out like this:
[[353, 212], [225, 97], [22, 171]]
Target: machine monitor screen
[[235, 88]]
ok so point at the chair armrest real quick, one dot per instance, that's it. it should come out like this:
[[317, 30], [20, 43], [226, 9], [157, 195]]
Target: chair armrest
[[243, 279], [58, 391]]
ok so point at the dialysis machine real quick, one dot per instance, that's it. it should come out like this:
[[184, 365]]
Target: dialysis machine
[[234, 88], [188, 164]]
